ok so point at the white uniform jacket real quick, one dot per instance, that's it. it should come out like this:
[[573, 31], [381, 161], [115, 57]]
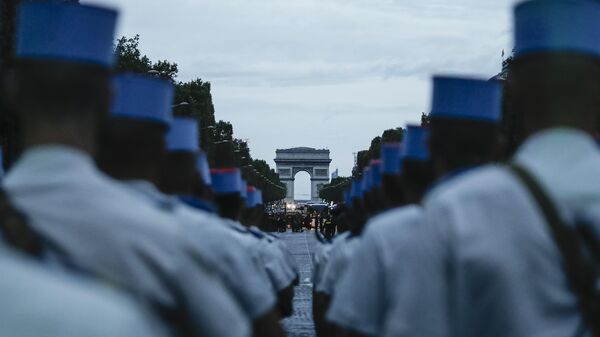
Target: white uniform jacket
[[38, 302], [488, 249], [109, 230]]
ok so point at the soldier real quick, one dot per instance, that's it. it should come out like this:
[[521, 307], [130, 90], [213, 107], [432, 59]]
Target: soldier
[[30, 292], [60, 88], [391, 174], [375, 188], [416, 178], [203, 194], [255, 211], [365, 185], [513, 235], [227, 184], [329, 226], [464, 125], [133, 151], [335, 261]]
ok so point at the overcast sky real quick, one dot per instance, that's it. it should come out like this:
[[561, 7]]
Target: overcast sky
[[320, 73]]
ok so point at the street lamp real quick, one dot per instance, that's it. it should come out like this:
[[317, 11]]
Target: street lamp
[[180, 105]]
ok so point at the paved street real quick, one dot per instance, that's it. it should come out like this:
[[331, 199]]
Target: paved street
[[302, 246]]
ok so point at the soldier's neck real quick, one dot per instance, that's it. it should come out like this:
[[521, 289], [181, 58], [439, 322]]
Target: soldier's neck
[[67, 135]]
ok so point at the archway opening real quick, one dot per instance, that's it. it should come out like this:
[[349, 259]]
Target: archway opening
[[302, 186]]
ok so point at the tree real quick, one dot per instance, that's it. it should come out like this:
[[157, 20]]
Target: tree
[[233, 152], [261, 175], [375, 148], [393, 135], [363, 158], [216, 138], [334, 191], [130, 59], [200, 106]]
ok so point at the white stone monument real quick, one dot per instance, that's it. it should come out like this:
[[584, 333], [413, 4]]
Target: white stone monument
[[312, 161]]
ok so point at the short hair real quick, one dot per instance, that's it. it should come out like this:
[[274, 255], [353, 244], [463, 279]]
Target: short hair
[[375, 201], [230, 205], [59, 91], [417, 176], [179, 172], [127, 142], [357, 216], [393, 189], [460, 142], [253, 216], [550, 89]]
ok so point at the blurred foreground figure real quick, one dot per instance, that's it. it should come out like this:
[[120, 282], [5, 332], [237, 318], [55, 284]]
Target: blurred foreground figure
[[508, 251], [255, 210], [364, 298], [37, 302], [231, 193], [60, 89], [325, 272], [391, 175], [134, 150]]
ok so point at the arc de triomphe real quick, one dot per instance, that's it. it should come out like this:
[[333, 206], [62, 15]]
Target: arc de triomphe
[[315, 162]]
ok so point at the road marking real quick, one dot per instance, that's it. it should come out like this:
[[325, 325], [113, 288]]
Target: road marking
[[309, 255]]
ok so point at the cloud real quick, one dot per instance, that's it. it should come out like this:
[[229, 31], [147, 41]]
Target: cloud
[[328, 73]]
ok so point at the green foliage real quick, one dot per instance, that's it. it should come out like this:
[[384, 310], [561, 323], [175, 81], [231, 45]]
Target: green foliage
[[375, 148], [363, 158], [223, 131], [334, 191], [200, 106], [130, 59], [197, 94], [194, 99], [129, 56], [261, 175], [392, 135], [166, 69]]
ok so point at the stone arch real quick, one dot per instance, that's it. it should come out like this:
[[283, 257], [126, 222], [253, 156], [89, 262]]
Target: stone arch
[[315, 162]]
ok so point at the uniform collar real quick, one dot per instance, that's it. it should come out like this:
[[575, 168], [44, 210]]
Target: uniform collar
[[448, 177], [554, 145], [54, 153], [144, 186], [46, 165], [149, 190]]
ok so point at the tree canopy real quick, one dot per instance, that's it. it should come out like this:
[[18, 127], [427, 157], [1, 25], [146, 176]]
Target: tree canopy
[[334, 191], [194, 99]]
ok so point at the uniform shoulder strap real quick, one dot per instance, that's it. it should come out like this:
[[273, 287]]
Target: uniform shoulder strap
[[16, 232], [582, 274]]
